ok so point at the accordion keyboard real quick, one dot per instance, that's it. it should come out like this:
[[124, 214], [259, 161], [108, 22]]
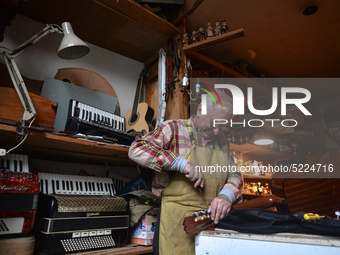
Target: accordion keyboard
[[88, 120], [14, 163], [60, 184]]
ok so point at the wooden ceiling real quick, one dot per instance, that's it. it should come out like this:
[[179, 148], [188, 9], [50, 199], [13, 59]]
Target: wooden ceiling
[[279, 40], [120, 26]]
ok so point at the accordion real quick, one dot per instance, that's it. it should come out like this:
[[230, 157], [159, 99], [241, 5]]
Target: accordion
[[18, 202], [79, 214], [19, 191]]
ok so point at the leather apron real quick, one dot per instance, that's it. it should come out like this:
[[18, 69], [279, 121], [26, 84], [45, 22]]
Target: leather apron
[[180, 199]]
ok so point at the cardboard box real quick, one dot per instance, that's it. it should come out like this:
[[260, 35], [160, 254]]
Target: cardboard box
[[141, 241], [144, 231]]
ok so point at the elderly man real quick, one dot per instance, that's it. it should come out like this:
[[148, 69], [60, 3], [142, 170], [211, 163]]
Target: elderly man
[[182, 153]]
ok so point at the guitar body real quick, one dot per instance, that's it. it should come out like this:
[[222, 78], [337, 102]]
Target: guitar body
[[141, 120]]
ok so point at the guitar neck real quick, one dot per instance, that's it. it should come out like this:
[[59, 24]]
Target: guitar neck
[[137, 96]]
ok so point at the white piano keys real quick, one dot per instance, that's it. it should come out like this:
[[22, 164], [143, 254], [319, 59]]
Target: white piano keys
[[42, 178], [82, 111], [122, 123], [106, 119], [75, 185], [15, 163], [116, 122], [79, 185], [97, 116], [73, 108], [12, 162], [118, 181], [51, 183]]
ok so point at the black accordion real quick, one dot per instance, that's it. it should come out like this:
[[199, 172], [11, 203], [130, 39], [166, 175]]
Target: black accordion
[[79, 214]]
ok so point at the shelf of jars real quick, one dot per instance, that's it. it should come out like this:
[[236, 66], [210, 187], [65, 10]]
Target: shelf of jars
[[256, 185], [258, 163]]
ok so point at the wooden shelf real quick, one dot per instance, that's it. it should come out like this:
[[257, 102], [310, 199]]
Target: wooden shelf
[[259, 152], [121, 26], [204, 63], [254, 194], [50, 146], [194, 47], [206, 67], [254, 176], [130, 249]]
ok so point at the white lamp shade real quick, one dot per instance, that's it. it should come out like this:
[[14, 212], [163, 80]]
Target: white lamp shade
[[71, 46]]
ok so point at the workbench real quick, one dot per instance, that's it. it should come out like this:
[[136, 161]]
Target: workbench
[[220, 241]]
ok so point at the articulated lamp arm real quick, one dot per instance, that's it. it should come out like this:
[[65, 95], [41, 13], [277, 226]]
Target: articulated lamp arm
[[71, 48], [18, 82]]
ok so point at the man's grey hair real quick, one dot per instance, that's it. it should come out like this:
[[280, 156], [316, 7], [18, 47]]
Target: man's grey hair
[[227, 101]]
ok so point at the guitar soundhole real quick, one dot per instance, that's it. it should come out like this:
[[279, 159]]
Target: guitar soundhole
[[133, 119]]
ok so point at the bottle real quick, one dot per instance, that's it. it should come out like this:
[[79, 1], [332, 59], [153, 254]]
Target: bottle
[[256, 168], [234, 157]]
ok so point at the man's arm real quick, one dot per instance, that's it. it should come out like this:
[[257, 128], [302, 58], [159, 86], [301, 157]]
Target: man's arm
[[221, 205], [152, 150]]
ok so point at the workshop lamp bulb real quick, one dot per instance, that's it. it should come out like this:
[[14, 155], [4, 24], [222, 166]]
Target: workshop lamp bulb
[[71, 46], [263, 141]]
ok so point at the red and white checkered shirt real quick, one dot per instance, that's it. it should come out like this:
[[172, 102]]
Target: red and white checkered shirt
[[160, 147]]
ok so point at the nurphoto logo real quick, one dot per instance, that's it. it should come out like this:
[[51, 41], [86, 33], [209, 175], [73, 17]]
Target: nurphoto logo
[[276, 101]]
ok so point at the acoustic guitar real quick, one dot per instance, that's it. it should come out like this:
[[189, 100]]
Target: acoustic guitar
[[200, 221], [138, 118], [311, 191]]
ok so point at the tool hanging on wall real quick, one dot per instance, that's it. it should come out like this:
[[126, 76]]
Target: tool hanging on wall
[[161, 86], [173, 62]]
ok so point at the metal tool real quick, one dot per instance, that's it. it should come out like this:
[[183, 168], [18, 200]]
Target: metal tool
[[312, 216]]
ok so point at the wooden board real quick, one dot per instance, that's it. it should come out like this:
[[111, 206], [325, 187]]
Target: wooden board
[[12, 109], [50, 146], [17, 246], [213, 41], [130, 249], [87, 79]]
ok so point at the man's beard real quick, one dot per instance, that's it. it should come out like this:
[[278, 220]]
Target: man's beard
[[206, 133]]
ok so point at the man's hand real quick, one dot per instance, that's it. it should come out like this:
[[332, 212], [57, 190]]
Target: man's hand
[[219, 208], [194, 174]]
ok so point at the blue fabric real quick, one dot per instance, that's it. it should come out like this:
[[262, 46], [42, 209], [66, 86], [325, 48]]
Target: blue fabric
[[178, 164], [228, 194]]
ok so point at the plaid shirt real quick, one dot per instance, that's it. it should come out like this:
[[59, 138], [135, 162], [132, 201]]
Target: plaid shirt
[[159, 148]]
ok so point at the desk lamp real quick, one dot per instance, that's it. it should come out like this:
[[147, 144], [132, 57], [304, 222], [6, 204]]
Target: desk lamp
[[71, 47]]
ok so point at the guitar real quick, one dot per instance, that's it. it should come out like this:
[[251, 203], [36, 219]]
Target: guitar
[[318, 193], [138, 118], [200, 221]]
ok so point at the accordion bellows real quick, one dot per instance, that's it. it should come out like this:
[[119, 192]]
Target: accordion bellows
[[90, 204]]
